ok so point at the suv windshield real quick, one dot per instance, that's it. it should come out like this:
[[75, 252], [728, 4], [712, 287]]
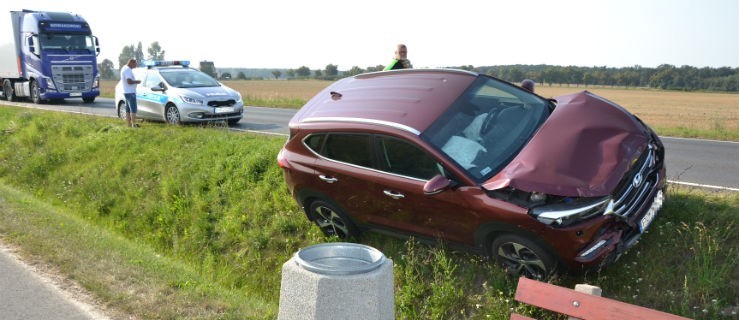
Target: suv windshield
[[187, 78], [487, 126]]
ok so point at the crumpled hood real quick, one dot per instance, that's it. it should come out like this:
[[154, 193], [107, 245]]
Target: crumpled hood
[[583, 149]]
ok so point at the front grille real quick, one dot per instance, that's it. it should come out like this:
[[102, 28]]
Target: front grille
[[225, 103], [220, 115], [637, 184], [72, 78]]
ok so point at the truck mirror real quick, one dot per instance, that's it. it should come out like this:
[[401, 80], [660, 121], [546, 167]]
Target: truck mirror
[[31, 42], [97, 45]]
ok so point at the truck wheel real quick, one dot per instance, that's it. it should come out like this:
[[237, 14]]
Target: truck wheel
[[8, 90], [88, 99], [35, 93]]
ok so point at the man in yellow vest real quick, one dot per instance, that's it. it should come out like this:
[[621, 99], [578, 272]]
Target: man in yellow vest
[[401, 59]]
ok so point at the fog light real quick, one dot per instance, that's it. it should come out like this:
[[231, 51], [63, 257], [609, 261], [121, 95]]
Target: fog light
[[593, 248], [196, 115]]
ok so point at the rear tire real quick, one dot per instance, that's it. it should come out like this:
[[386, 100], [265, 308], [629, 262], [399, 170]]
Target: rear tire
[[332, 221], [520, 256], [122, 110], [8, 90]]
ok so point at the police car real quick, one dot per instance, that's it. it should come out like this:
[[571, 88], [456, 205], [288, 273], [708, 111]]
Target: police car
[[173, 92]]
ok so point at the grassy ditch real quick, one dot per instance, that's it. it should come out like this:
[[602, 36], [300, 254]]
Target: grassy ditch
[[195, 222]]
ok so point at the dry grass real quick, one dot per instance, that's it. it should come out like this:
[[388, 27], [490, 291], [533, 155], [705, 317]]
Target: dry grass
[[669, 109], [686, 114]]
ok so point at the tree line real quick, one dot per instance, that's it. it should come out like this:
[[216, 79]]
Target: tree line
[[666, 76]]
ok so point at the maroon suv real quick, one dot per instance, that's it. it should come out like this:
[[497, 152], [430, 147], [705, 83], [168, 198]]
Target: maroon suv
[[478, 162]]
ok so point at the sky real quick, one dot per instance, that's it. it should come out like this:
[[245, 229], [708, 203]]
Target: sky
[[315, 33]]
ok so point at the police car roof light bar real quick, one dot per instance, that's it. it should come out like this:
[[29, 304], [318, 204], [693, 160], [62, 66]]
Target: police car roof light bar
[[162, 63]]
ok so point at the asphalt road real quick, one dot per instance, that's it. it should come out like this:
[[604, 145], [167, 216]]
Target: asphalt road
[[26, 296]]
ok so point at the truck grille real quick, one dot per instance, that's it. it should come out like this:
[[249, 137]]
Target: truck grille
[[72, 78]]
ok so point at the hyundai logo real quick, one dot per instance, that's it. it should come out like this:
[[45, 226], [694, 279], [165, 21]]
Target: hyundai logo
[[637, 180]]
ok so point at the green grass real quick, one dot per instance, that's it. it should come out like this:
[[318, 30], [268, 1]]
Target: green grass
[[195, 222]]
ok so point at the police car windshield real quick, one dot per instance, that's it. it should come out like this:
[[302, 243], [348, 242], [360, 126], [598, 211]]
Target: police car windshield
[[187, 78]]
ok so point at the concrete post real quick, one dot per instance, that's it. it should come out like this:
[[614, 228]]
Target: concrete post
[[337, 281]]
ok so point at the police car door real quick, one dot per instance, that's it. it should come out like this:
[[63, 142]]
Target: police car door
[[151, 98]]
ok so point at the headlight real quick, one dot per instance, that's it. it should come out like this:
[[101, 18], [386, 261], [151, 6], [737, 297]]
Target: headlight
[[564, 214], [49, 83], [191, 100], [96, 82]]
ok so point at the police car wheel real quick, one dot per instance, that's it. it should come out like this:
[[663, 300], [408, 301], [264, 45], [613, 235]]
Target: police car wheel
[[173, 115], [122, 110]]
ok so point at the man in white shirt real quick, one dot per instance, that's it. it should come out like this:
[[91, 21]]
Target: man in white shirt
[[129, 82]]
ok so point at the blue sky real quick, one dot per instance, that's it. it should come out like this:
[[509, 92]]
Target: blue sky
[[293, 33]]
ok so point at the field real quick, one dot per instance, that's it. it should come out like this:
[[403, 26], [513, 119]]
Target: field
[[670, 113], [191, 222]]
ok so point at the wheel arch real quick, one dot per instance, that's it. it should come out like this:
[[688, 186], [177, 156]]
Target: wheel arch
[[486, 234], [306, 197]]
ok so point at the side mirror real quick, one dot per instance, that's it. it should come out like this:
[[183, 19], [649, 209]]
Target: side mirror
[[97, 45], [30, 41], [161, 87], [437, 184]]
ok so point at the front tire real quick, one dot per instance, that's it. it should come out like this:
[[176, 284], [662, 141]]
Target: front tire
[[88, 99], [520, 256], [35, 93], [172, 115], [332, 221]]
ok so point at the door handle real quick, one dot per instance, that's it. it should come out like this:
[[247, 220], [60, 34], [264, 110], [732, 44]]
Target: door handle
[[393, 194], [327, 179]]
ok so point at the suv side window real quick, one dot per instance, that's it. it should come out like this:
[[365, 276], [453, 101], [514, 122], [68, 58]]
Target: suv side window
[[350, 148], [314, 142], [400, 157]]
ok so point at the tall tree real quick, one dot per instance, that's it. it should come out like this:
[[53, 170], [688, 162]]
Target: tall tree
[[106, 69], [126, 53], [303, 71], [355, 70], [139, 53], [209, 68], [276, 73], [155, 51], [331, 70]]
